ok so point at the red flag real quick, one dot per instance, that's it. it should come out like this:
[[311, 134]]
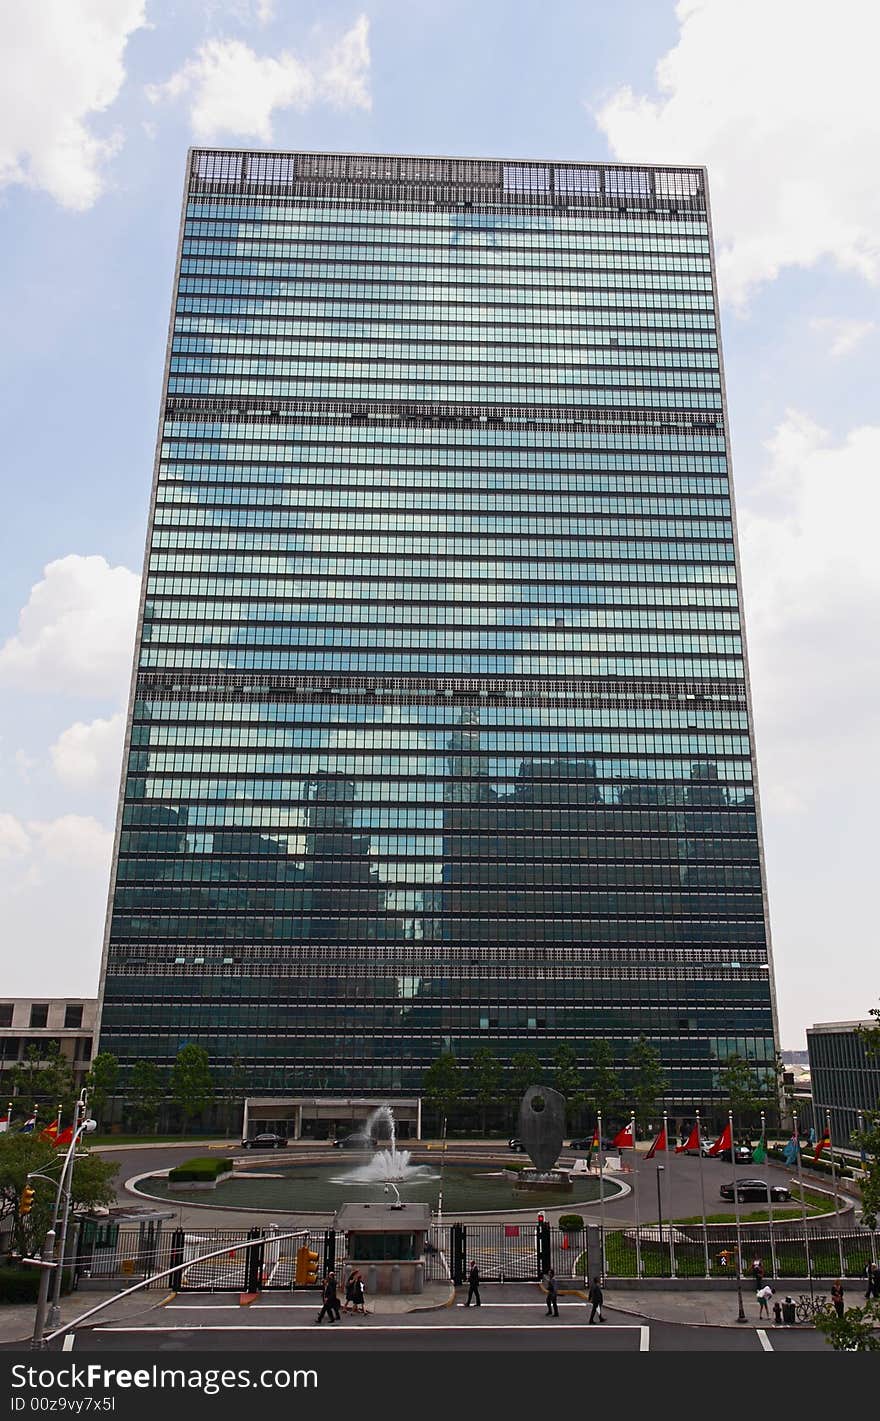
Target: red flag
[[723, 1142], [64, 1137], [823, 1144], [623, 1140], [659, 1144], [49, 1133], [691, 1143]]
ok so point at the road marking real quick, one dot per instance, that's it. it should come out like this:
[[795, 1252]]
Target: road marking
[[645, 1339], [69, 1340], [376, 1327], [764, 1340]]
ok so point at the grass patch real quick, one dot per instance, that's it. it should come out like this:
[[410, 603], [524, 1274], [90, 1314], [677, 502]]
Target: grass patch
[[791, 1259], [816, 1204]]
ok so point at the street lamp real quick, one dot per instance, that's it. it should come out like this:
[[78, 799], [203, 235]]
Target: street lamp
[[54, 1243]]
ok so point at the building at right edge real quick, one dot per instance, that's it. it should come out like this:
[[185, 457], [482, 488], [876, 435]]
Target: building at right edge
[[440, 733], [844, 1076]]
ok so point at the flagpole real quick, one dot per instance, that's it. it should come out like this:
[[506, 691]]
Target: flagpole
[[669, 1197], [769, 1195], [703, 1196], [836, 1198], [739, 1292], [632, 1128], [601, 1193], [797, 1138]]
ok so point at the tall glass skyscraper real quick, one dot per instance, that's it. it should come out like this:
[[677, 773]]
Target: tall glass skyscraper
[[440, 732]]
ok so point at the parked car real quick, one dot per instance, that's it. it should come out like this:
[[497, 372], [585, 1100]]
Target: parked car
[[705, 1147], [743, 1155], [268, 1140], [585, 1144], [352, 1142], [756, 1189], [515, 1144]]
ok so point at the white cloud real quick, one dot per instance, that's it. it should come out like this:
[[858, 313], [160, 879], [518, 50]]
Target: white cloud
[[87, 755], [842, 335], [236, 91], [53, 894], [779, 101], [76, 632], [811, 582], [61, 62]]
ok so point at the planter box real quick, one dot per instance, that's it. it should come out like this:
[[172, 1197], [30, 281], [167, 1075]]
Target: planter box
[[184, 1186]]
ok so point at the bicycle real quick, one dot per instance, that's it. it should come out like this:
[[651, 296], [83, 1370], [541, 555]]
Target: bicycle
[[808, 1308]]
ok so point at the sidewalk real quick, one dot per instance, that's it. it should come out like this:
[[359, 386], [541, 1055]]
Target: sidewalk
[[17, 1319]]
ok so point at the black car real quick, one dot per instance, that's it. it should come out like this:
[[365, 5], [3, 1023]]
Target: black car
[[743, 1155], [352, 1142], [585, 1144], [756, 1189], [266, 1141]]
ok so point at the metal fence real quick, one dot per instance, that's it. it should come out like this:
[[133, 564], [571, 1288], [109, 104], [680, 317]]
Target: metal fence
[[503, 1252]]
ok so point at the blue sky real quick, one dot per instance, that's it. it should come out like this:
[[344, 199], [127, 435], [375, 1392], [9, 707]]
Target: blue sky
[[99, 100]]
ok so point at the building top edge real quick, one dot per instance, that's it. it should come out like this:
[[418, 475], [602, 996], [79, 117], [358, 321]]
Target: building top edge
[[486, 159], [829, 1026]]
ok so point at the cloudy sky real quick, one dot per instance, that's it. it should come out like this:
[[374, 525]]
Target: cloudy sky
[[99, 100]]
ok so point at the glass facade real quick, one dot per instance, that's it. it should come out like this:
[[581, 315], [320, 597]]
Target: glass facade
[[844, 1076], [440, 733]]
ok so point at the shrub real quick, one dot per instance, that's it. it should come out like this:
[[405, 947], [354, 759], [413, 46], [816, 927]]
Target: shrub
[[198, 1171], [571, 1223], [515, 1166], [19, 1285], [821, 1166]]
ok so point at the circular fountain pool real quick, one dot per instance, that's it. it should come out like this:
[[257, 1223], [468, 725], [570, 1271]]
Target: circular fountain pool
[[296, 1188]]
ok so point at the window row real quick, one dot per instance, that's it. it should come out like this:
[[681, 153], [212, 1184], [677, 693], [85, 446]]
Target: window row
[[492, 928], [516, 716], [481, 613], [466, 737], [447, 523], [332, 389], [428, 663]]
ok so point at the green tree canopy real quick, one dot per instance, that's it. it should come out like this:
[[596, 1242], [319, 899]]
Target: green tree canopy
[[191, 1086], [604, 1086], [147, 1090], [647, 1084], [19, 1155], [101, 1083], [567, 1078], [742, 1089], [868, 1138], [854, 1332], [443, 1083], [525, 1070], [484, 1079], [43, 1078]]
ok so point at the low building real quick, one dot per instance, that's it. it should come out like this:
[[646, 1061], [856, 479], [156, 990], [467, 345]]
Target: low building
[[845, 1076], [326, 1117], [68, 1022]]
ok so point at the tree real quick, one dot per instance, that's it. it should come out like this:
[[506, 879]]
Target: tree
[[101, 1082], [647, 1084], [234, 1087], [19, 1155], [742, 1088], [567, 1079], [854, 1332], [604, 1083], [868, 1138], [525, 1070], [147, 1091], [442, 1083], [45, 1079], [191, 1086], [484, 1079]]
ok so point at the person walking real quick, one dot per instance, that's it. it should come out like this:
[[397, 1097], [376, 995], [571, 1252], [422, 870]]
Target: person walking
[[552, 1296], [359, 1295], [596, 1298], [764, 1295], [875, 1281], [348, 1305], [837, 1296], [758, 1273], [329, 1299], [473, 1285]]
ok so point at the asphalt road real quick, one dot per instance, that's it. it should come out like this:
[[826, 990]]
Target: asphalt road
[[518, 1324]]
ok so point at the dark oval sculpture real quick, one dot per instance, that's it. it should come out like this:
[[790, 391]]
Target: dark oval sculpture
[[542, 1125]]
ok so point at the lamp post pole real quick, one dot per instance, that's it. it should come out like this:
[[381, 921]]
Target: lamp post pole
[[54, 1243]]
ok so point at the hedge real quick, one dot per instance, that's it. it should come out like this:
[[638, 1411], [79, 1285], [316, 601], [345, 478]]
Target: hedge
[[19, 1285], [571, 1223], [198, 1171], [821, 1166]]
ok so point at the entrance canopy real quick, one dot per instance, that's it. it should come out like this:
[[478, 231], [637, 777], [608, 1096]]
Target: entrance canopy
[[326, 1117]]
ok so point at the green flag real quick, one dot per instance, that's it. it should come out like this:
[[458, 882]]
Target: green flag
[[759, 1153]]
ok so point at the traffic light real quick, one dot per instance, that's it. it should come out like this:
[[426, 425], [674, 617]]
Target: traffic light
[[541, 1218], [306, 1267], [26, 1202]]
